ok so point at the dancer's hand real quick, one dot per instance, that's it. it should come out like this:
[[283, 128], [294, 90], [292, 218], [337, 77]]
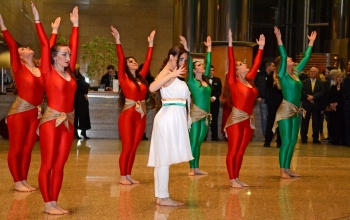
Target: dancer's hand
[[312, 36], [74, 17], [183, 42], [278, 35], [179, 72], [208, 43], [261, 41], [55, 25], [35, 13], [151, 38], [115, 34], [2, 25], [229, 37]]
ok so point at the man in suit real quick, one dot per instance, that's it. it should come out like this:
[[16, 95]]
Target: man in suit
[[107, 79], [215, 103], [312, 93]]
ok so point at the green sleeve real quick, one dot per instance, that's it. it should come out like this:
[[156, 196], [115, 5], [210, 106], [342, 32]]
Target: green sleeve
[[189, 77], [305, 59], [207, 64], [283, 61]]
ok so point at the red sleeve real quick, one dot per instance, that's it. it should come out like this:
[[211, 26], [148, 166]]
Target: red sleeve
[[121, 66], [257, 61], [73, 45], [53, 39], [231, 75], [16, 63], [147, 63], [45, 65]]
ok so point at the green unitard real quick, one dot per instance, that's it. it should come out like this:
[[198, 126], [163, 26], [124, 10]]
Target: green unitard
[[291, 90], [201, 98]]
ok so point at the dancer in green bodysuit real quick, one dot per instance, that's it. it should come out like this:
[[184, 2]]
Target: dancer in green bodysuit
[[198, 83], [287, 114]]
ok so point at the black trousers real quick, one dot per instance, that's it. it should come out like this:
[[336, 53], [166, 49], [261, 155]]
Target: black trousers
[[315, 112], [271, 114], [347, 120], [214, 110]]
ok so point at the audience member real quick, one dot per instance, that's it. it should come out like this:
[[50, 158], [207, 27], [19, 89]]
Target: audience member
[[107, 79], [214, 103]]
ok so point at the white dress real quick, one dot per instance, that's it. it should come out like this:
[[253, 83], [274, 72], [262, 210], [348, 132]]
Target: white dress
[[170, 142]]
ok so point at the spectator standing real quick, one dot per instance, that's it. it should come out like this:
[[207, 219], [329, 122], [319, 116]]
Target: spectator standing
[[107, 79], [216, 86]]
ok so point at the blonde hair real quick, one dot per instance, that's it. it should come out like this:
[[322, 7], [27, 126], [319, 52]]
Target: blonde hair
[[339, 74], [322, 77]]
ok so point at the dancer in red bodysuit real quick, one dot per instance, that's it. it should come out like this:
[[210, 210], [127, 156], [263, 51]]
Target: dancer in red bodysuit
[[25, 113], [132, 119], [239, 128], [56, 125]]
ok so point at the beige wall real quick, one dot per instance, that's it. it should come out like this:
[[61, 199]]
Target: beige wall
[[134, 19]]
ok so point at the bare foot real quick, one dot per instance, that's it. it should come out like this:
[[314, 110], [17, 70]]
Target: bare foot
[[123, 180], [241, 183], [284, 175], [128, 177], [191, 173], [197, 171], [168, 202], [235, 185], [21, 188], [291, 174], [50, 209], [54, 204], [24, 182]]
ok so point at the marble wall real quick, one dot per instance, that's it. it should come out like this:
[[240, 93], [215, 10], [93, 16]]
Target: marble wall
[[134, 19]]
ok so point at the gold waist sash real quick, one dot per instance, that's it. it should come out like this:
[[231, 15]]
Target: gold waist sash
[[61, 117], [21, 105], [237, 116], [286, 110], [197, 114], [140, 106]]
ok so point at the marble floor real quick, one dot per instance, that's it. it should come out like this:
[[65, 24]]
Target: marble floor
[[91, 190]]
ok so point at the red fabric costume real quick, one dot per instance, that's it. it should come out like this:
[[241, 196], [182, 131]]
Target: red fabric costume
[[22, 126], [243, 98], [131, 125], [56, 142]]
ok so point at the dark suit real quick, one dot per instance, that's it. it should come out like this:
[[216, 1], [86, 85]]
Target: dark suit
[[215, 106], [106, 79], [346, 97], [311, 108]]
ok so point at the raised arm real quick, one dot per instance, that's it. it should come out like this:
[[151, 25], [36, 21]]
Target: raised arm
[[257, 61], [231, 74], [73, 41], [189, 78], [45, 66], [208, 57], [307, 53], [54, 25], [283, 55], [165, 76], [120, 54], [148, 60], [16, 63]]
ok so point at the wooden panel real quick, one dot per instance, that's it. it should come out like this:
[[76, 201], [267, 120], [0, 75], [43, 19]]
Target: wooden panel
[[320, 61]]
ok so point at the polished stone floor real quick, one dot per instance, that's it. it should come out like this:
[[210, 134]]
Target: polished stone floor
[[91, 190]]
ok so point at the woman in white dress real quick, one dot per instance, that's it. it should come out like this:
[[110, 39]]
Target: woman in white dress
[[170, 142]]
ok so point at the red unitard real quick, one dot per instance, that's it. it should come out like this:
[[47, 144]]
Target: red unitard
[[22, 126], [131, 125], [56, 142], [243, 98]]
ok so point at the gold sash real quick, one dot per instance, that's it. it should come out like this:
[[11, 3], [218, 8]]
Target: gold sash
[[61, 117], [21, 105], [286, 110], [197, 114], [237, 116], [140, 106]]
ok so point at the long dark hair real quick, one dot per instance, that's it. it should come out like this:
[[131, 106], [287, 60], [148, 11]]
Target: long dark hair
[[204, 78], [135, 80], [54, 50]]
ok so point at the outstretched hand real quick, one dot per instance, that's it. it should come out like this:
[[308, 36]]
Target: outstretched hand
[[208, 43], [2, 25], [115, 34], [74, 18], [179, 72], [312, 36], [183, 42], [151, 38], [56, 24], [277, 32], [229, 37], [35, 12], [261, 41]]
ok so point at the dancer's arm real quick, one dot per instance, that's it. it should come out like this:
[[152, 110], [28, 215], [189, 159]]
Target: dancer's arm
[[307, 53], [120, 54], [147, 63], [54, 25], [164, 77], [283, 61], [16, 63], [73, 41], [208, 57], [190, 76], [257, 61], [231, 74]]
